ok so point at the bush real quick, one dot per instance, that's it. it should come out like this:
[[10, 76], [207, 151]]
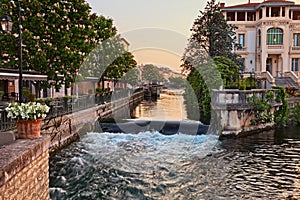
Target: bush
[[27, 95], [295, 115]]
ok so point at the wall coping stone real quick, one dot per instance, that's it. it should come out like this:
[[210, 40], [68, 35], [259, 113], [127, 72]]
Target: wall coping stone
[[17, 155]]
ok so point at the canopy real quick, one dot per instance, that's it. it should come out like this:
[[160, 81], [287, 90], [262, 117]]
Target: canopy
[[14, 76]]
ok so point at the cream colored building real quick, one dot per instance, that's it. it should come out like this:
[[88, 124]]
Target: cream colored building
[[269, 36]]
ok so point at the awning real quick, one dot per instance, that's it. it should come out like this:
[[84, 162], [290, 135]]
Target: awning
[[15, 76]]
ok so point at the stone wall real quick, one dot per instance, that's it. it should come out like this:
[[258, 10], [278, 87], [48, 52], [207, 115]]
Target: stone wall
[[67, 128], [234, 111], [24, 170]]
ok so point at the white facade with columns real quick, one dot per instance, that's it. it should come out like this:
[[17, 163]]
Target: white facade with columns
[[269, 35]]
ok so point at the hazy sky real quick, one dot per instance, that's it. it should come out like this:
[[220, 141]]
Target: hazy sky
[[157, 30]]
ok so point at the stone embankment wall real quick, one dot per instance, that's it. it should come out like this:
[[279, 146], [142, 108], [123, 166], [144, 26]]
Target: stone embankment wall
[[24, 164], [24, 170], [67, 128], [234, 111]]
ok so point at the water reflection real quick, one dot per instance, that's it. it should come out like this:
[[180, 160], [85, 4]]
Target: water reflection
[[170, 106]]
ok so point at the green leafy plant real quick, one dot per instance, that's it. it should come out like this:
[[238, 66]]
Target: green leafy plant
[[68, 97], [281, 116], [261, 108], [28, 95], [40, 100], [295, 115]]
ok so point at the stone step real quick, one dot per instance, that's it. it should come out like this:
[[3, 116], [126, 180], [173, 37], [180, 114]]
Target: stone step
[[285, 82]]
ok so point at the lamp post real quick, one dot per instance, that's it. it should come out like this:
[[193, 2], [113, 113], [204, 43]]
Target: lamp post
[[6, 24]]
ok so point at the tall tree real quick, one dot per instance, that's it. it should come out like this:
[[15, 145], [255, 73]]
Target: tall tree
[[108, 60], [131, 77], [208, 60], [211, 36], [56, 37], [202, 80]]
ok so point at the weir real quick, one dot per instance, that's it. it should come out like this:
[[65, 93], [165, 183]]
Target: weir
[[164, 127]]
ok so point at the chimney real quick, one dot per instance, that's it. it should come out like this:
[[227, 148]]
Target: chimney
[[222, 5]]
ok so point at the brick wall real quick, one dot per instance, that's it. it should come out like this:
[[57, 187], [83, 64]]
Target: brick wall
[[24, 170]]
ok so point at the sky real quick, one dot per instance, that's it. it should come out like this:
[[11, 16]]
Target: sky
[[157, 30]]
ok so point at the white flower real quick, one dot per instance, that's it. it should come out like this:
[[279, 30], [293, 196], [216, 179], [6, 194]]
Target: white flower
[[28, 111]]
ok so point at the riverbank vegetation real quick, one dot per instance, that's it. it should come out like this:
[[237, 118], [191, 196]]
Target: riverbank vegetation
[[209, 61]]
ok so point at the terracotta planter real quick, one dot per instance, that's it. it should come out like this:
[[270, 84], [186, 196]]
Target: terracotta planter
[[29, 129]]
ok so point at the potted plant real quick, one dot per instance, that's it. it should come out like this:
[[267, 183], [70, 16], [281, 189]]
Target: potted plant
[[29, 118]]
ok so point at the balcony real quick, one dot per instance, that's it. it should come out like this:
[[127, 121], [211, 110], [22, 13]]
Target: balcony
[[295, 49], [275, 47]]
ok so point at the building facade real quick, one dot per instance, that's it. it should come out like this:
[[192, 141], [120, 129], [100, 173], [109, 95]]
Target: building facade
[[269, 38]]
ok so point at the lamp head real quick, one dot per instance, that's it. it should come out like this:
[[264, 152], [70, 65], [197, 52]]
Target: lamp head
[[6, 23]]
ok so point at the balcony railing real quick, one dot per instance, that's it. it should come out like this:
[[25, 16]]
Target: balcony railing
[[275, 46], [295, 48], [238, 99]]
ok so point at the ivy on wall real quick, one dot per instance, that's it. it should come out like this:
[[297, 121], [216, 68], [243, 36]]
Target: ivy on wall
[[261, 108], [281, 116]]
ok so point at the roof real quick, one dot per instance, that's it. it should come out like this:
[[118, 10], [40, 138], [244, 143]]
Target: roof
[[246, 5], [13, 74], [255, 6]]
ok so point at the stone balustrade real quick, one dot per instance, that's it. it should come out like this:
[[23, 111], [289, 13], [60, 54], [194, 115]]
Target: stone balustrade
[[234, 110]]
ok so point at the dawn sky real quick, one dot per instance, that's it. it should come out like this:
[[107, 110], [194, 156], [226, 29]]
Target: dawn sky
[[157, 30]]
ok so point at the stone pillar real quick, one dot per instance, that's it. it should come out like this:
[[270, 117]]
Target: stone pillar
[[24, 169]]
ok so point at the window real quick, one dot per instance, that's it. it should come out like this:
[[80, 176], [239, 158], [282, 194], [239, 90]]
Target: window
[[283, 11], [260, 13], [231, 16], [241, 41], [295, 64], [251, 16], [296, 39], [275, 11], [296, 15], [274, 36], [241, 16]]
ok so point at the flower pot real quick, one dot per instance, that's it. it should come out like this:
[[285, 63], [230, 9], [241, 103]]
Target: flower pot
[[29, 129]]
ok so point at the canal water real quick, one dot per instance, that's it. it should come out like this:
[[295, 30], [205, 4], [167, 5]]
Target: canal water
[[149, 165]]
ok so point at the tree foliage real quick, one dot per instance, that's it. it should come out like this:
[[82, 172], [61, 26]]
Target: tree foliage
[[131, 77], [211, 36], [209, 60], [108, 60], [57, 37], [202, 80], [151, 73], [177, 82]]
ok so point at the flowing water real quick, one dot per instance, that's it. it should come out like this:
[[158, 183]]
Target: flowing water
[[149, 165]]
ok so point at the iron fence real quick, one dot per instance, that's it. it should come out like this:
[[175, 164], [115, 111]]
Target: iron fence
[[64, 105]]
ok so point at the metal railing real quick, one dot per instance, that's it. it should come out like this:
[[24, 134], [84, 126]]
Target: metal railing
[[63, 106]]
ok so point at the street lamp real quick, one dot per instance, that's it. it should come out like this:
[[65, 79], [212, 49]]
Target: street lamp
[[6, 24]]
